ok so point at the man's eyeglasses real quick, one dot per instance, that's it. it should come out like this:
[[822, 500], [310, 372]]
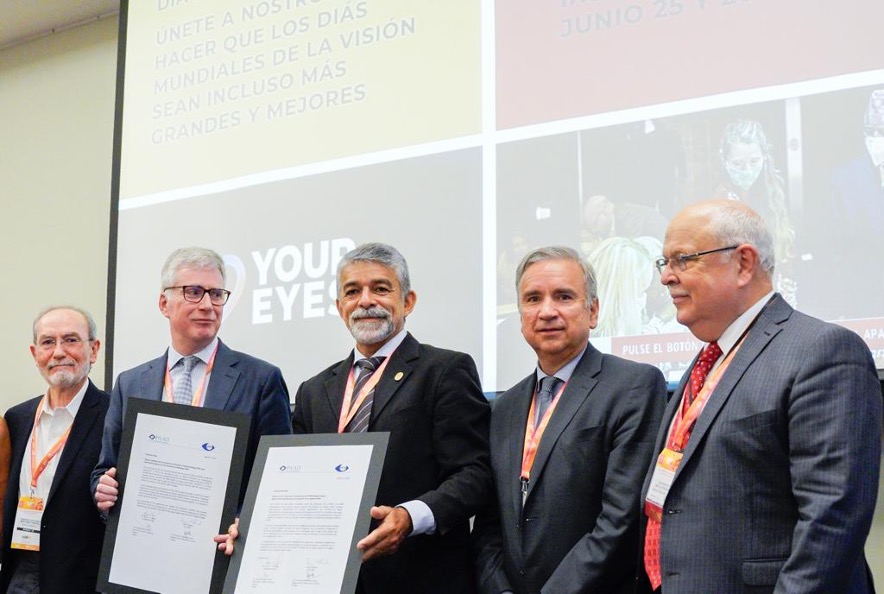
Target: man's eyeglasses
[[67, 342], [679, 262], [194, 294]]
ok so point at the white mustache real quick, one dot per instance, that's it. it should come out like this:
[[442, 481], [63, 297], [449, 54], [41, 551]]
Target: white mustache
[[371, 312], [70, 363]]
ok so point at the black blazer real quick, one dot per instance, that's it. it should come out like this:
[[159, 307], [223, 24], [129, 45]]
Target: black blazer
[[430, 401], [72, 532], [578, 529]]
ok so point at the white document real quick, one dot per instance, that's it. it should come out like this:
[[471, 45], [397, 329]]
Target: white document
[[301, 529], [172, 505]]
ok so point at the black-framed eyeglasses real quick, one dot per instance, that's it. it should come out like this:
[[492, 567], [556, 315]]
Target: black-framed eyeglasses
[[679, 262], [194, 294]]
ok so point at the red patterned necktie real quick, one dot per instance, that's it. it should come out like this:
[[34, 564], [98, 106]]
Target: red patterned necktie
[[652, 537]]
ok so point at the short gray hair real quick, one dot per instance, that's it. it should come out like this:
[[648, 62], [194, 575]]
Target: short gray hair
[[379, 253], [558, 252], [734, 223], [190, 257], [93, 329]]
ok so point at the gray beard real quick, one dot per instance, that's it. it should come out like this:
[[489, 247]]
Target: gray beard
[[371, 332]]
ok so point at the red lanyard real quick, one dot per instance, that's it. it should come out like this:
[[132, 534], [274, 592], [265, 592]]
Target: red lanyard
[[198, 393], [348, 409], [37, 469], [684, 421], [534, 435]]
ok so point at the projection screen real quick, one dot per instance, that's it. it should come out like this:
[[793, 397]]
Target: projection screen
[[282, 133]]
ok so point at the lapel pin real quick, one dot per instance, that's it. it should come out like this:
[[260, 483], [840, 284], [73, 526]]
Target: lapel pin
[[399, 375]]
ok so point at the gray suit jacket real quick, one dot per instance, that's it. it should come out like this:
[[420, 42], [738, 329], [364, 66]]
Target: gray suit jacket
[[777, 486], [578, 530], [239, 383]]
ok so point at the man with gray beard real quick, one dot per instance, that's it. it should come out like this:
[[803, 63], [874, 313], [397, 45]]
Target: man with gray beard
[[52, 534], [436, 474]]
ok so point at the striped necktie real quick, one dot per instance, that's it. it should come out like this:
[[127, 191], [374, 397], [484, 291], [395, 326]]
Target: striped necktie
[[367, 367]]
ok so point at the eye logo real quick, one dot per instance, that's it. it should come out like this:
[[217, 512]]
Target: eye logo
[[342, 468], [208, 447]]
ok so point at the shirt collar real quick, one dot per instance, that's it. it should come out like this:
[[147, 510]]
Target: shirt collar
[[204, 355], [735, 331], [564, 373], [72, 407], [386, 350]]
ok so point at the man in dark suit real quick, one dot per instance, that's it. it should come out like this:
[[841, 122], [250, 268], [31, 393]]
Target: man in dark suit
[[770, 448], [52, 535], [435, 475], [197, 369], [569, 446]]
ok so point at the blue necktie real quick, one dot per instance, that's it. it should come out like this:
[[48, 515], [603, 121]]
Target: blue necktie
[[548, 387]]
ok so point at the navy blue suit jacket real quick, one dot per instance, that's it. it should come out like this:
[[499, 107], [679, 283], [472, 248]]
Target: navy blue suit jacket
[[72, 533], [776, 489], [239, 383]]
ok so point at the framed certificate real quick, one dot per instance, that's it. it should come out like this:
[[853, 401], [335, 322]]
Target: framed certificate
[[307, 505], [179, 472]]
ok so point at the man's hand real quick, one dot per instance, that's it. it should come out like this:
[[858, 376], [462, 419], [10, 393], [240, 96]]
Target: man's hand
[[225, 541], [386, 538], [106, 490]]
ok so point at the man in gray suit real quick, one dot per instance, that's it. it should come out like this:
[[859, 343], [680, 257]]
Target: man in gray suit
[[197, 369], [569, 446], [768, 466]]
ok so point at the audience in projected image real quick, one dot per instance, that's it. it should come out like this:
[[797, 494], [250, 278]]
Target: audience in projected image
[[604, 218], [857, 219], [625, 271], [751, 177]]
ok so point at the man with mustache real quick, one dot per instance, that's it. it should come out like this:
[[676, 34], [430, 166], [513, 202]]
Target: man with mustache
[[197, 369], [52, 536], [436, 473]]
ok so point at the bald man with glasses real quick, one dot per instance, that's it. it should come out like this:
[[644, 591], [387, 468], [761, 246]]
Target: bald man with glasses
[[197, 369]]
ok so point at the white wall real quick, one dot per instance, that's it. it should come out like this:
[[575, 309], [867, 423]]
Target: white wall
[[56, 139]]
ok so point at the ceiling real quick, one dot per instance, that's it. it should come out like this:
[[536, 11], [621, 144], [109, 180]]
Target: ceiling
[[22, 20]]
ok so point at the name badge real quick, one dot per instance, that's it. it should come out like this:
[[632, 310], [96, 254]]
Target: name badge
[[28, 518], [661, 482]]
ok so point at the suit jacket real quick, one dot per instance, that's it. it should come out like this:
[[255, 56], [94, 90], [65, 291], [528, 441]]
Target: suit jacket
[[578, 529], [430, 401], [72, 531], [239, 383], [776, 488]]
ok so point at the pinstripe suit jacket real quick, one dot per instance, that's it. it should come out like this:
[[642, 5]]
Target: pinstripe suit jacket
[[777, 486]]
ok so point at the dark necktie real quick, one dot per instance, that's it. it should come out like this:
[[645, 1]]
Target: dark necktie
[[183, 390], [652, 536], [548, 387], [367, 367]]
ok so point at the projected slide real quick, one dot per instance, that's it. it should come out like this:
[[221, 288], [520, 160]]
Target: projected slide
[[282, 133]]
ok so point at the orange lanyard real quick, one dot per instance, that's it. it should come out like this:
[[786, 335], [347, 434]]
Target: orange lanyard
[[684, 421], [37, 469], [198, 393], [348, 409], [534, 435]]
